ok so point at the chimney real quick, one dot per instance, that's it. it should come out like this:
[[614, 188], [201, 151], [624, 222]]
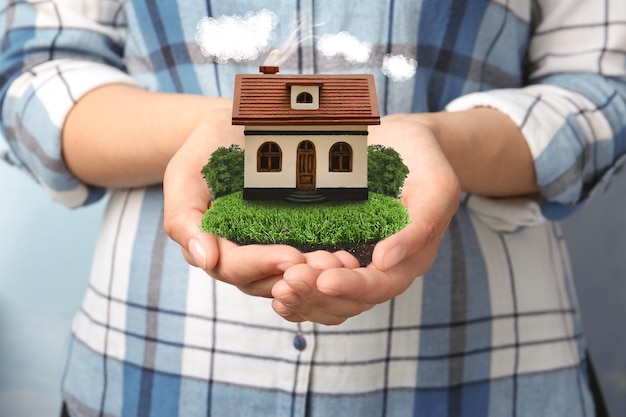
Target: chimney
[[268, 69]]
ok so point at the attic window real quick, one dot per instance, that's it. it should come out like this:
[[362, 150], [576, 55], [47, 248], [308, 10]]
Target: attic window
[[305, 97]]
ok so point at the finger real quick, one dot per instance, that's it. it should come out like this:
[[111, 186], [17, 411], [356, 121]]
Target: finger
[[301, 278], [298, 292], [430, 210], [200, 249], [186, 199], [298, 280], [261, 287], [322, 260], [186, 195], [286, 297], [366, 286], [286, 313], [413, 239], [347, 259], [242, 265], [316, 315]]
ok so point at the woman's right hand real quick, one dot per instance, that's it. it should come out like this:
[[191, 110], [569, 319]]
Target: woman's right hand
[[254, 269]]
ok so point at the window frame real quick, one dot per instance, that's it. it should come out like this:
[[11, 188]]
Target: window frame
[[298, 90], [269, 156], [338, 154]]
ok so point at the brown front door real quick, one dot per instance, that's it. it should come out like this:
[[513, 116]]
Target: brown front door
[[306, 166]]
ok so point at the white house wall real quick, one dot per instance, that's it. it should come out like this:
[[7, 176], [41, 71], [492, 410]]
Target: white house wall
[[357, 178], [289, 147], [284, 179]]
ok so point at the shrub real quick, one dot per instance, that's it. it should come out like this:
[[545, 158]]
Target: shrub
[[386, 171], [224, 171]]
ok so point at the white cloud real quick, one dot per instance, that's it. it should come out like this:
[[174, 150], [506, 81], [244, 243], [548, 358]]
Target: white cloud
[[351, 48], [235, 37], [399, 67]]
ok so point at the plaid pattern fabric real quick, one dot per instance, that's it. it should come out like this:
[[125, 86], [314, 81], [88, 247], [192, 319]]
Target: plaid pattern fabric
[[479, 335], [491, 330]]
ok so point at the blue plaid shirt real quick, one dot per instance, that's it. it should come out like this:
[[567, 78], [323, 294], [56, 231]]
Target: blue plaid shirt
[[491, 330]]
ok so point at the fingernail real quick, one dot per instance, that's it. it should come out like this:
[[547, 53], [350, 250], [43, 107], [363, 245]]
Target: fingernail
[[197, 252], [331, 292], [394, 256], [283, 313], [290, 300], [301, 288], [282, 267]]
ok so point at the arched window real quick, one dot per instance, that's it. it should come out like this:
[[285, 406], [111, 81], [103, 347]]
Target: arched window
[[269, 158], [304, 98], [340, 157]]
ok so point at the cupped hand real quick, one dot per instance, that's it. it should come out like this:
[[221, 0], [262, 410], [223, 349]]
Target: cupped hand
[[330, 288], [253, 268]]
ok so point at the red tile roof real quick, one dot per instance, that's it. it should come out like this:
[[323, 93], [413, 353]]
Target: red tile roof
[[264, 99]]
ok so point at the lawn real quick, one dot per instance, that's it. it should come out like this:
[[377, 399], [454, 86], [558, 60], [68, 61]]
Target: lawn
[[329, 223]]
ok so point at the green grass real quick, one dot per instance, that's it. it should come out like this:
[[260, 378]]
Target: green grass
[[328, 223]]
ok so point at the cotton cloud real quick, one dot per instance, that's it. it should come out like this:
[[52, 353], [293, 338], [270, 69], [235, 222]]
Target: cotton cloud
[[399, 67], [344, 44], [236, 38]]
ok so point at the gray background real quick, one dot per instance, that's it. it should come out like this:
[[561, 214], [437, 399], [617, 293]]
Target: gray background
[[596, 237], [45, 253]]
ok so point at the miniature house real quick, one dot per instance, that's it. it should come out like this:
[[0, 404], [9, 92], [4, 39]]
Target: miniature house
[[305, 133]]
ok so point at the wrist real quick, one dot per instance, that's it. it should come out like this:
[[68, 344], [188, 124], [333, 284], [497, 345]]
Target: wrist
[[123, 136], [189, 111], [487, 151]]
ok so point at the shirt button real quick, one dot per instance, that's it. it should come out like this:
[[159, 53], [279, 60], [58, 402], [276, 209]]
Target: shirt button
[[299, 342]]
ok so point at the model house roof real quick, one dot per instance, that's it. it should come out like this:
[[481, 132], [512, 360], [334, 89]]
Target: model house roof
[[265, 99]]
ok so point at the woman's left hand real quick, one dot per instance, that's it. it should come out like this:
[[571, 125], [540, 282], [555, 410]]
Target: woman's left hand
[[330, 288]]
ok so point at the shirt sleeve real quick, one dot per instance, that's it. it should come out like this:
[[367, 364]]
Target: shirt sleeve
[[51, 54], [573, 110]]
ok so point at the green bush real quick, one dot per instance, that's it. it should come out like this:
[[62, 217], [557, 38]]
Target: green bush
[[224, 171], [386, 171]]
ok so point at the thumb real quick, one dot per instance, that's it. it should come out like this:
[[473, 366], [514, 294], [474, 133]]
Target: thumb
[[186, 199]]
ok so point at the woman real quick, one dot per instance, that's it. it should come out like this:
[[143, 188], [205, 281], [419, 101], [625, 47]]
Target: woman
[[504, 106]]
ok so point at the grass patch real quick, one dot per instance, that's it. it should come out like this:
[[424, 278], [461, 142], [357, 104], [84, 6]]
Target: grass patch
[[329, 223]]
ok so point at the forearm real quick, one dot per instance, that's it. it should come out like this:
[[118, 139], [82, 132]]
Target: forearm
[[123, 136], [486, 150]]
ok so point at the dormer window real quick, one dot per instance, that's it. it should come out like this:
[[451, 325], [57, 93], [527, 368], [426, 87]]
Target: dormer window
[[305, 97]]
